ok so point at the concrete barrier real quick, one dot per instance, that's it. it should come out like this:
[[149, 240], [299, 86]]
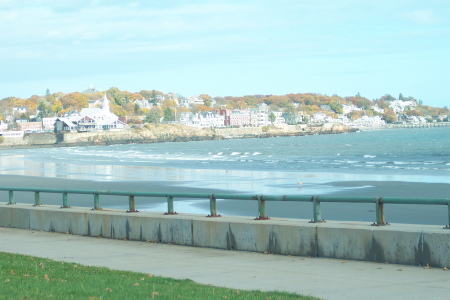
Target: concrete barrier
[[396, 243]]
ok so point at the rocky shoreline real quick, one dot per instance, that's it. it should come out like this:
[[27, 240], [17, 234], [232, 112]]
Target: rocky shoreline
[[150, 133]]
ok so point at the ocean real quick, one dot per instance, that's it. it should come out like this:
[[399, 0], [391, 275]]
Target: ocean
[[365, 163]]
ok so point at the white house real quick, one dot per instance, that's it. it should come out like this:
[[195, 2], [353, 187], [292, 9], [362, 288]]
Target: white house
[[91, 119], [318, 117], [3, 125], [143, 103], [346, 109], [372, 121], [188, 101], [205, 119], [398, 106], [48, 123]]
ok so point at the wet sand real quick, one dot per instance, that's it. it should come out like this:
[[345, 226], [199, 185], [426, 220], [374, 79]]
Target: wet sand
[[419, 214]]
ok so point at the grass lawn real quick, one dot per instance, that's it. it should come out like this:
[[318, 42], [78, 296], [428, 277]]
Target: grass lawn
[[26, 277]]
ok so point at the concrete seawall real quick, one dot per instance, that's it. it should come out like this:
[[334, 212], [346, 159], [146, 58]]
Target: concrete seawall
[[396, 243]]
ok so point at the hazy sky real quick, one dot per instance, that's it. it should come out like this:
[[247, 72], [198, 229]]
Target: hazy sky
[[228, 48]]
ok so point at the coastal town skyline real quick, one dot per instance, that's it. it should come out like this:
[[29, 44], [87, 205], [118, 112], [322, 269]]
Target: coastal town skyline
[[225, 48]]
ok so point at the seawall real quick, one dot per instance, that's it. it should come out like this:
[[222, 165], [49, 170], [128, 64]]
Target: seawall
[[150, 133], [396, 243]]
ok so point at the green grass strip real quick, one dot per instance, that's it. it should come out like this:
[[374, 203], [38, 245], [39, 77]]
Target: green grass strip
[[26, 277]]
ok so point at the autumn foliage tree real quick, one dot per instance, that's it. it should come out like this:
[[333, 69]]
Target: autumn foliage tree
[[389, 116], [74, 101]]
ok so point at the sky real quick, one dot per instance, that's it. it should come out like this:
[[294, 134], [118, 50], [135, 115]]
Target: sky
[[228, 48]]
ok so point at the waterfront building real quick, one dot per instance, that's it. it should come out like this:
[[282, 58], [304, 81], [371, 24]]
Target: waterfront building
[[90, 119]]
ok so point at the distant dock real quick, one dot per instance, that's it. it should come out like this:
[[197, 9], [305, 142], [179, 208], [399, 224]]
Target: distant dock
[[423, 125]]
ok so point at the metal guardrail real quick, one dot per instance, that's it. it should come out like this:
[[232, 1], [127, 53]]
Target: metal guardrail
[[316, 200]]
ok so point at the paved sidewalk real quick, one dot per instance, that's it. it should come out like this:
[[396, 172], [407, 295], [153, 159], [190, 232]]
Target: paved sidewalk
[[319, 277]]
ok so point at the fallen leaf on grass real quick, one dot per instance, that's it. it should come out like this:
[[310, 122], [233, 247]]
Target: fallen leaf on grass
[[108, 290], [152, 295]]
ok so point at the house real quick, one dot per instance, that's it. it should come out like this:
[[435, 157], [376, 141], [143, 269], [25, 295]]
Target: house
[[143, 103], [346, 109], [318, 117], [19, 110], [204, 119], [369, 121], [3, 126], [188, 101], [90, 90], [398, 106], [95, 103], [68, 123], [29, 127], [90, 119], [12, 134], [48, 123]]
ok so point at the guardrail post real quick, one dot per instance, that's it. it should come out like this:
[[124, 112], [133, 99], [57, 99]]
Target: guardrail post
[[448, 208], [96, 201], [170, 206], [316, 210], [65, 201], [213, 207], [131, 204], [379, 212], [262, 209], [11, 198], [37, 199]]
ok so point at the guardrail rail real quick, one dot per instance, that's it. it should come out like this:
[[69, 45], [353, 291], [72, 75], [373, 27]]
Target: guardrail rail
[[261, 199]]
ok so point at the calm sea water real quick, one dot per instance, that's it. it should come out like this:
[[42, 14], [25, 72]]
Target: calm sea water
[[262, 166]]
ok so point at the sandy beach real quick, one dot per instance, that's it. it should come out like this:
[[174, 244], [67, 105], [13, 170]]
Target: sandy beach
[[421, 214]]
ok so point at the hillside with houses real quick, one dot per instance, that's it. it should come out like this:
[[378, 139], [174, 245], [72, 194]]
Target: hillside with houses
[[115, 110]]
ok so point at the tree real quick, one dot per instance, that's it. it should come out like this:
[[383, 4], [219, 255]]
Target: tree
[[136, 109], [389, 116], [74, 101], [116, 95], [154, 116], [56, 106], [290, 114], [168, 114], [43, 109], [153, 98], [272, 117], [336, 107], [168, 103]]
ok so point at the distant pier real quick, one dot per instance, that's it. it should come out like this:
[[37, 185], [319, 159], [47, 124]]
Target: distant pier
[[422, 125]]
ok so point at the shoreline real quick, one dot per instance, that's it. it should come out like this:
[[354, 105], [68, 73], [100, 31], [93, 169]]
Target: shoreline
[[162, 133]]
